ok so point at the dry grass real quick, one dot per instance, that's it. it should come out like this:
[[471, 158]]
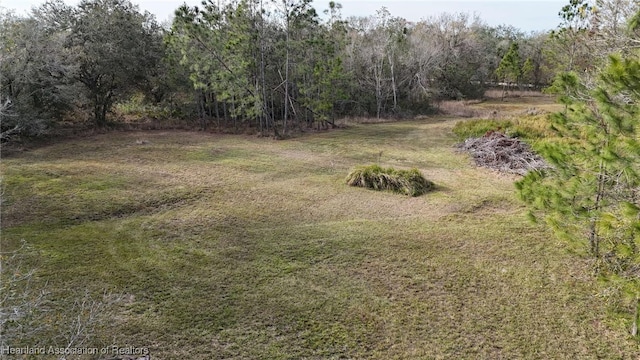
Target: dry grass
[[518, 103], [514, 93], [221, 246], [463, 109], [496, 108]]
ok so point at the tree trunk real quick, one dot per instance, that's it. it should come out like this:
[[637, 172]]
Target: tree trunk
[[96, 114], [634, 328], [226, 114], [594, 240], [200, 97], [217, 108], [100, 111], [378, 78], [286, 78], [393, 85]]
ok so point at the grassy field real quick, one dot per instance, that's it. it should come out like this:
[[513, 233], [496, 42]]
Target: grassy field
[[204, 246]]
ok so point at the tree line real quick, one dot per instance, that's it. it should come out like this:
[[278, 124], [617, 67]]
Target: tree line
[[278, 66]]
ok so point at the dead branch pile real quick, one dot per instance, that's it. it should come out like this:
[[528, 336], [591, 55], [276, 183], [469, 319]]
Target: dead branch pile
[[499, 152]]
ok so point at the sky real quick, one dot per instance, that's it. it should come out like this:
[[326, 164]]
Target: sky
[[526, 15]]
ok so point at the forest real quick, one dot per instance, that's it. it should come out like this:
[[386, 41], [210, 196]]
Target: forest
[[275, 66], [268, 179]]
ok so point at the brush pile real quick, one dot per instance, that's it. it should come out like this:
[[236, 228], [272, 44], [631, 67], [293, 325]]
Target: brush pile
[[407, 182], [499, 152]]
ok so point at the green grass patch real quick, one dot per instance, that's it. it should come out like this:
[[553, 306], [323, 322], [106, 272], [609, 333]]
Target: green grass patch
[[527, 127], [407, 182], [532, 128], [479, 127]]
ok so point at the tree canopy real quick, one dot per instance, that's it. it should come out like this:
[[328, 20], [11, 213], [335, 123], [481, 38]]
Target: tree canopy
[[278, 66]]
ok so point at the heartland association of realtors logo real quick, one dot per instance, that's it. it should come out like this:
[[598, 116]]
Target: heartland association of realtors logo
[[123, 353]]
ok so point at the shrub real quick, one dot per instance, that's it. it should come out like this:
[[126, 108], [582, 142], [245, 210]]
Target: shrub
[[408, 182]]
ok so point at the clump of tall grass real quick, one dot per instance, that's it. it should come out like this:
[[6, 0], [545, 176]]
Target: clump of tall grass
[[408, 182], [477, 128], [530, 128]]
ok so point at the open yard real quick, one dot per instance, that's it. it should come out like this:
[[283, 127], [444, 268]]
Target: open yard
[[207, 246]]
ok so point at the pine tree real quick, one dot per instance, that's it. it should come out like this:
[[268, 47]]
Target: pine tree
[[528, 70], [592, 195], [509, 69], [322, 70]]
